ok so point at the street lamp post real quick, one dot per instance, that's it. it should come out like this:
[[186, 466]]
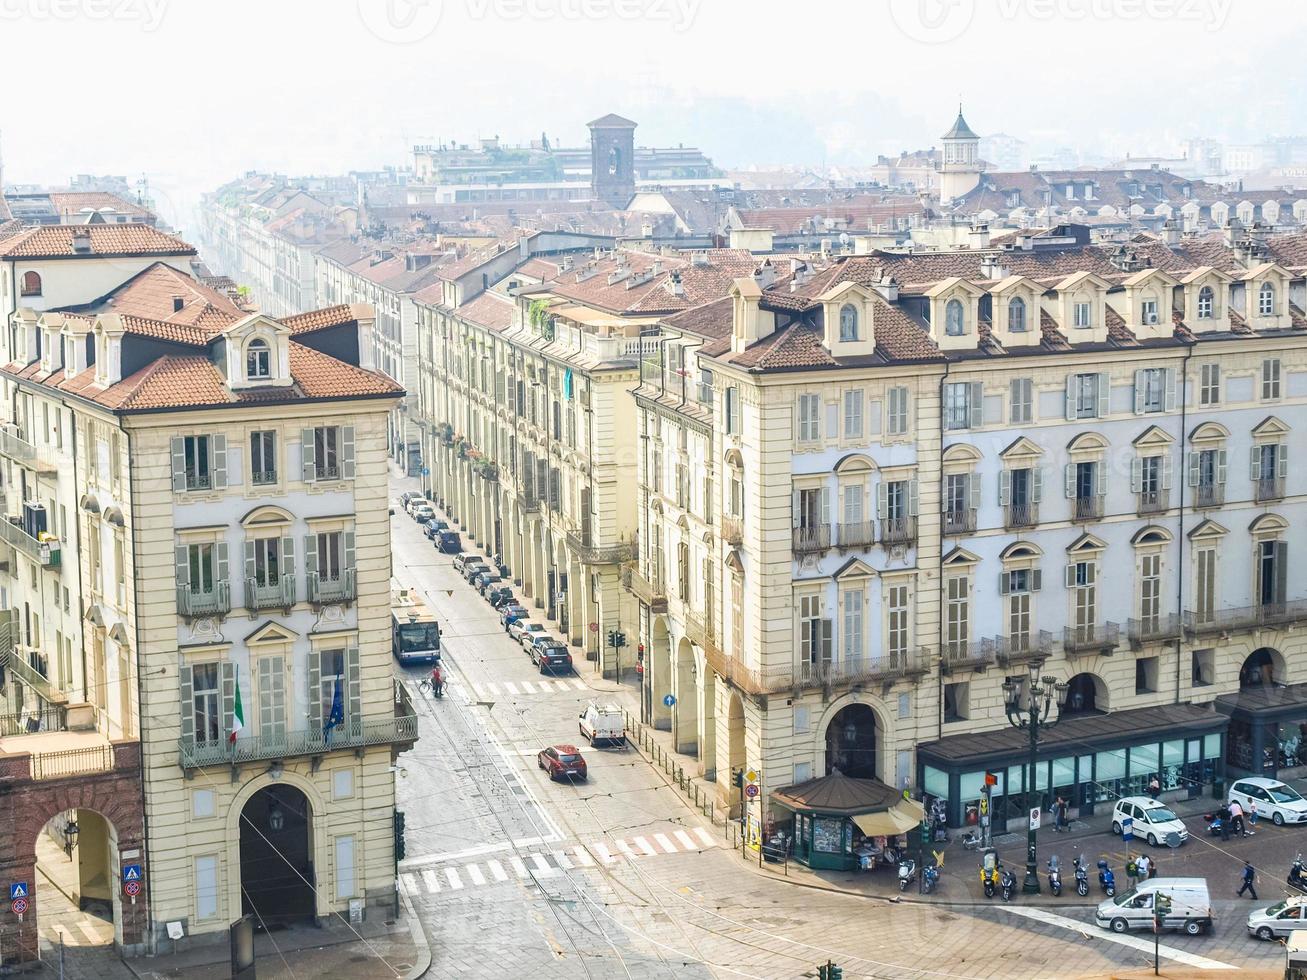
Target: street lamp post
[[1035, 715]]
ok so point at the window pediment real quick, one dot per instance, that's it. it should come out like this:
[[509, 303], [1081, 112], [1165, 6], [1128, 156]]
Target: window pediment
[[1087, 442], [1022, 448], [1270, 427], [854, 568], [1208, 530], [267, 515], [1268, 524], [961, 558], [962, 452], [1153, 436], [855, 463], [1151, 535], [271, 632], [1209, 432], [1085, 544], [1021, 550]]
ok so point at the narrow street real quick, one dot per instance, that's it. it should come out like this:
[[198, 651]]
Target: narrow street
[[619, 877]]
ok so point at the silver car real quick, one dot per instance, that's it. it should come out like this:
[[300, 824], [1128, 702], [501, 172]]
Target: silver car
[[1278, 920]]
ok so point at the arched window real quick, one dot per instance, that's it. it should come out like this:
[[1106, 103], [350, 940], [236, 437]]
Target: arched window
[[258, 360], [848, 323], [1016, 315], [1206, 303], [31, 284], [955, 324], [1266, 300]]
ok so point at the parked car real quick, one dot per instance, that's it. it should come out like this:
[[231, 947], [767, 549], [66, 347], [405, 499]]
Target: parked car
[[423, 512], [1191, 906], [414, 502], [1278, 920], [1275, 801], [551, 656], [472, 571], [1153, 820], [603, 723], [525, 632], [487, 582], [448, 542], [406, 496], [433, 527], [499, 596], [510, 613], [562, 762], [462, 561]]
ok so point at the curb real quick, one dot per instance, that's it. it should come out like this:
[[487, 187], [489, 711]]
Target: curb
[[419, 935]]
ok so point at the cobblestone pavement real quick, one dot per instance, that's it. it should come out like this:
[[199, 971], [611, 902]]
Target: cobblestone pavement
[[513, 874]]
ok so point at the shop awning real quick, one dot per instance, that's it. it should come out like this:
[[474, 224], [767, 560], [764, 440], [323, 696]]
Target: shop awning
[[1265, 702], [902, 817], [837, 794]]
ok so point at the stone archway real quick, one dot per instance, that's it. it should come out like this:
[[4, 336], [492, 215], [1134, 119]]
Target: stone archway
[[852, 742], [685, 714], [1086, 695], [276, 856], [736, 753], [660, 677], [1264, 667]]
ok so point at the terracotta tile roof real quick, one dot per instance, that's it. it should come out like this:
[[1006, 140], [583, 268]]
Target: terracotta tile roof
[[151, 295], [330, 316], [488, 310], [56, 242], [1053, 338], [711, 320], [74, 202], [179, 333], [1117, 331], [538, 268], [815, 219]]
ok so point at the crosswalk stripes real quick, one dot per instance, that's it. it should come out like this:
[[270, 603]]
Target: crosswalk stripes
[[454, 880], [605, 855], [497, 870], [662, 841], [583, 857], [475, 874], [625, 848], [562, 860], [518, 867], [706, 837], [685, 840], [483, 690], [644, 845], [433, 883]]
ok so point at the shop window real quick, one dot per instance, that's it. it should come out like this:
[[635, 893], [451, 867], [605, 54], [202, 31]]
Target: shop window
[[1203, 668], [957, 701], [1146, 675]]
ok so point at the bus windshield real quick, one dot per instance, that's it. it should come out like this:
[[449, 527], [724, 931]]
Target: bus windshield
[[418, 637]]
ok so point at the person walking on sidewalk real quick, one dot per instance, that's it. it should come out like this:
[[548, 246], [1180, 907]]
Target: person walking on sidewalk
[[1154, 787], [1248, 876], [1252, 816], [1059, 818], [1236, 819], [1142, 866]]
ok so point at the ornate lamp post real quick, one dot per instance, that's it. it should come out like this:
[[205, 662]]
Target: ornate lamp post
[[1034, 716]]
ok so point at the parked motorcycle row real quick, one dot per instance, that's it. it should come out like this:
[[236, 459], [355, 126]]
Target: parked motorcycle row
[[996, 879]]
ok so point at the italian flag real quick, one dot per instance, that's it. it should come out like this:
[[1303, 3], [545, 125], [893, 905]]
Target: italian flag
[[238, 713]]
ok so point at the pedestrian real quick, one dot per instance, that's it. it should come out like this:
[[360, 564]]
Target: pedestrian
[[1152, 867], [1252, 815], [1059, 823], [1236, 819], [1248, 876], [1223, 815], [1154, 787], [1142, 866]]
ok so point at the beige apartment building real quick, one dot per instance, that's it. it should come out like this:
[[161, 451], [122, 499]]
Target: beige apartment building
[[213, 540]]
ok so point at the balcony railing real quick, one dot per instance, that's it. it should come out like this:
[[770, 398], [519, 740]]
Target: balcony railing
[[1020, 515], [811, 539], [590, 552], [332, 591], [1209, 495], [1023, 647], [42, 552], [957, 656], [353, 734], [72, 762], [194, 605], [1200, 622], [959, 521], [1153, 501], [18, 663], [733, 531], [1087, 508], [644, 590], [887, 667], [1153, 629], [1268, 488], [699, 630], [278, 595], [1097, 638], [264, 478], [898, 530], [199, 481], [15, 447], [857, 534], [46, 718]]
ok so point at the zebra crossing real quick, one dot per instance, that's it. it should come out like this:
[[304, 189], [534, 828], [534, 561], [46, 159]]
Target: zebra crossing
[[493, 690], [551, 863]]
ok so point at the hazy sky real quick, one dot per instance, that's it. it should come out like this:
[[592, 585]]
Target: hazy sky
[[194, 92]]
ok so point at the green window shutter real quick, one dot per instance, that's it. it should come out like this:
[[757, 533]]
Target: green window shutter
[[182, 557], [221, 573], [348, 541], [288, 568], [178, 463], [187, 693], [307, 464], [315, 691], [249, 559], [347, 452], [228, 696], [354, 691], [310, 557], [218, 461]]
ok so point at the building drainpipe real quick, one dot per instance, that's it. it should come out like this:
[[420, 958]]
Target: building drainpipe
[[1183, 479], [942, 597]]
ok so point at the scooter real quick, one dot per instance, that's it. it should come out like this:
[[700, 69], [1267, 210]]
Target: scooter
[[1009, 885], [1082, 877], [1106, 879], [1055, 875], [907, 873], [989, 872], [1297, 877], [1214, 824], [971, 840], [929, 878]]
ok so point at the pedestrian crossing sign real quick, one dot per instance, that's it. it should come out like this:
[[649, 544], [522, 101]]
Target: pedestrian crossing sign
[[131, 872], [17, 889]]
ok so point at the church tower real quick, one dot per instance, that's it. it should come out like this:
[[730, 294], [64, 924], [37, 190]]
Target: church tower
[[960, 171], [612, 160]]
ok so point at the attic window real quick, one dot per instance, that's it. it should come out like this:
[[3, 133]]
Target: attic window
[[1016, 315], [848, 323], [1266, 300], [258, 360], [955, 324]]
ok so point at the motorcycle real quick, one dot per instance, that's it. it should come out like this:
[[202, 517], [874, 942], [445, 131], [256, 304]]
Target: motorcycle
[[1214, 823], [989, 872], [1055, 875], [971, 840], [1297, 877], [1106, 879], [929, 878], [1082, 877], [907, 873], [1009, 885]]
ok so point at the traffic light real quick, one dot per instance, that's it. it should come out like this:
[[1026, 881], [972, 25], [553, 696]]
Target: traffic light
[[400, 848], [925, 832], [619, 639], [737, 778], [829, 971], [1161, 909]]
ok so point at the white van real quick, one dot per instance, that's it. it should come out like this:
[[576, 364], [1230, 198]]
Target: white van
[[1191, 906], [603, 723]]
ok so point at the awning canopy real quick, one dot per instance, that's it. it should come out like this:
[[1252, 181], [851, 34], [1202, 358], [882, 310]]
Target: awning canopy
[[903, 816], [838, 794], [1265, 701]]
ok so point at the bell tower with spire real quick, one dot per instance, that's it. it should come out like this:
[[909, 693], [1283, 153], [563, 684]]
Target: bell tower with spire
[[960, 171]]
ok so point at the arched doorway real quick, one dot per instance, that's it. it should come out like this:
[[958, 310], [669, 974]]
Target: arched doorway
[[660, 681], [735, 753], [851, 742], [1085, 695], [1263, 667], [277, 872], [686, 711], [77, 882]]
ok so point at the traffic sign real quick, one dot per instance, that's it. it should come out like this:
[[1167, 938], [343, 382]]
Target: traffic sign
[[17, 889], [594, 627], [19, 906], [132, 888], [132, 872], [1127, 828], [984, 806], [669, 700], [751, 775], [751, 790], [1034, 818], [426, 471]]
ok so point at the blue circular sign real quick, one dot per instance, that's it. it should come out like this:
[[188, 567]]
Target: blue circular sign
[[669, 700]]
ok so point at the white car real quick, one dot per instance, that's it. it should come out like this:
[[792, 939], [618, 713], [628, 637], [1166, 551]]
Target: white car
[[1275, 801], [525, 633], [1152, 821], [1278, 920]]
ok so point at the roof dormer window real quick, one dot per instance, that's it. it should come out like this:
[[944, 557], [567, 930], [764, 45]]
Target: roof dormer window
[[1016, 315], [955, 318], [1266, 300], [849, 324], [258, 361]]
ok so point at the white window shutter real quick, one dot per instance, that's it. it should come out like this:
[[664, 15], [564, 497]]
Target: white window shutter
[[1069, 473], [1255, 465], [287, 556], [347, 452], [1191, 470], [348, 540], [228, 696], [1071, 575], [1003, 583], [794, 509], [1100, 479], [221, 552], [310, 554], [315, 691], [307, 463], [976, 410], [1166, 471], [186, 687], [354, 692], [1104, 406], [1070, 397], [1220, 467], [1036, 484], [825, 506], [1136, 475], [1141, 388], [1036, 579], [218, 467], [912, 498], [1170, 389], [1282, 467], [178, 464], [882, 499], [1004, 487], [973, 486], [249, 559], [183, 564]]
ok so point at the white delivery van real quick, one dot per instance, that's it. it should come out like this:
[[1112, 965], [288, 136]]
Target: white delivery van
[[1191, 906], [603, 723]]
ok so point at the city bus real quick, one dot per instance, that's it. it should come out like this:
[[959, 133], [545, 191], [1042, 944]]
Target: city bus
[[414, 632]]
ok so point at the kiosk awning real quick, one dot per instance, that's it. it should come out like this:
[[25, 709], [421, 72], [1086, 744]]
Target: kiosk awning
[[902, 817]]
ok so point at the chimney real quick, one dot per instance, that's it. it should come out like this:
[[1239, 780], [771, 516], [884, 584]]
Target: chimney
[[979, 235], [1171, 232], [81, 241], [991, 267], [888, 287], [765, 275], [178, 304], [699, 258], [749, 322], [674, 285]]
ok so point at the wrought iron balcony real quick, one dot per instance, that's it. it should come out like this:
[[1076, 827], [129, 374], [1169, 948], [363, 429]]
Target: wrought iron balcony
[[43, 552], [1232, 618], [1023, 647], [332, 591], [888, 667], [1087, 508], [198, 481], [277, 595], [958, 656], [196, 605], [1097, 638], [1153, 629], [355, 733], [15, 447], [898, 530], [1153, 501], [812, 539], [733, 531], [264, 478], [582, 544], [1268, 488], [1209, 495], [959, 521], [1020, 515], [47, 717], [856, 534], [652, 596], [699, 630]]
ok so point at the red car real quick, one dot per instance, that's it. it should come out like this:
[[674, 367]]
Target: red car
[[562, 762]]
